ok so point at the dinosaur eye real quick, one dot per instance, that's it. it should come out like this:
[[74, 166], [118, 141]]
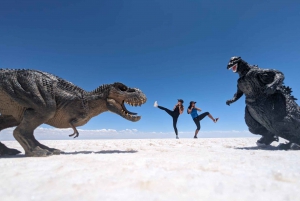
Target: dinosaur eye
[[120, 86], [123, 88]]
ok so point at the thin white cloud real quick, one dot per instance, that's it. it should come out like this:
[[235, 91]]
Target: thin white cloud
[[63, 134]]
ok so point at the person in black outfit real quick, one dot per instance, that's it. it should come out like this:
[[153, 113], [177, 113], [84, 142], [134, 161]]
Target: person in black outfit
[[177, 110]]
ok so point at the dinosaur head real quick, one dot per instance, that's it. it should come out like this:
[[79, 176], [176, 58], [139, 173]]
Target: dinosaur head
[[234, 64], [238, 65], [119, 95]]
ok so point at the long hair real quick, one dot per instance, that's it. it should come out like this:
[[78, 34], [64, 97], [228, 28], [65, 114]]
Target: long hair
[[187, 110], [181, 106]]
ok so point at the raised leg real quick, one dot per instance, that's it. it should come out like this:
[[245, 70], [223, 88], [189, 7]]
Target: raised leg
[[7, 121], [24, 133], [199, 118], [257, 129], [170, 112]]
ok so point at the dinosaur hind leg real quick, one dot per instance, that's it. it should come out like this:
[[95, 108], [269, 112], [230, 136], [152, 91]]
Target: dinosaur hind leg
[[257, 129], [24, 133], [7, 121]]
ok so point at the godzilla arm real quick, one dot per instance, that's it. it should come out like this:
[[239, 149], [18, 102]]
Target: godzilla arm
[[272, 79], [236, 97]]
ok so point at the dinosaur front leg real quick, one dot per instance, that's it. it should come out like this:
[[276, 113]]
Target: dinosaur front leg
[[7, 121], [76, 133], [24, 132]]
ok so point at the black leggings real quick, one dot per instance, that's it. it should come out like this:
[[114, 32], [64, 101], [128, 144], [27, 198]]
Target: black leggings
[[199, 118], [174, 115]]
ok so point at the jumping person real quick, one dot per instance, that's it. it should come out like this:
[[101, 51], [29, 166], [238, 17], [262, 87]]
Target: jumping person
[[177, 110], [192, 109]]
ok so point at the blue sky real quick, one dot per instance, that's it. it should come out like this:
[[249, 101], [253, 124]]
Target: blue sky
[[168, 49]]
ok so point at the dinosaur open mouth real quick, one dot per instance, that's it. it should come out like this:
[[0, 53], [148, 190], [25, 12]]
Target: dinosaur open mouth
[[234, 68], [127, 112]]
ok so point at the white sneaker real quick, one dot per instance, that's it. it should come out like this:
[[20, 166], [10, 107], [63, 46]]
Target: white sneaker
[[155, 104]]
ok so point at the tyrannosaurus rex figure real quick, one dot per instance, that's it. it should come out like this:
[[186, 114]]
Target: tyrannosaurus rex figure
[[271, 110], [29, 98]]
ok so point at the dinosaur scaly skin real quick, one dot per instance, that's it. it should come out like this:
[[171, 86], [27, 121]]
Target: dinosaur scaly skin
[[271, 110], [29, 98]]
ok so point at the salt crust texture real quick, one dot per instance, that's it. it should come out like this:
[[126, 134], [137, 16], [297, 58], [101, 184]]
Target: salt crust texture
[[157, 169]]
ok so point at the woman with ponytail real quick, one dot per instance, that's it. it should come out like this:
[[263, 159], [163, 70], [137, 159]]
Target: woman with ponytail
[[177, 110]]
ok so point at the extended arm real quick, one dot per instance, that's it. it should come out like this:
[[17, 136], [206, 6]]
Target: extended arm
[[198, 109], [236, 97], [190, 109]]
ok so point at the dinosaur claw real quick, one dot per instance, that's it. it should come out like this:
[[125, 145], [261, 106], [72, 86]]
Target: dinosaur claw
[[38, 152], [76, 135]]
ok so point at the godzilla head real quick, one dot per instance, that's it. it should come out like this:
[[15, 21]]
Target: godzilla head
[[234, 63], [238, 65], [119, 95]]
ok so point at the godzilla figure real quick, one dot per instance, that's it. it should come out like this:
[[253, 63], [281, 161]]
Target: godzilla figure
[[271, 110], [29, 98]]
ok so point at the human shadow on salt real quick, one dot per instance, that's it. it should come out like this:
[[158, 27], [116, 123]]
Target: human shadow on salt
[[100, 152]]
